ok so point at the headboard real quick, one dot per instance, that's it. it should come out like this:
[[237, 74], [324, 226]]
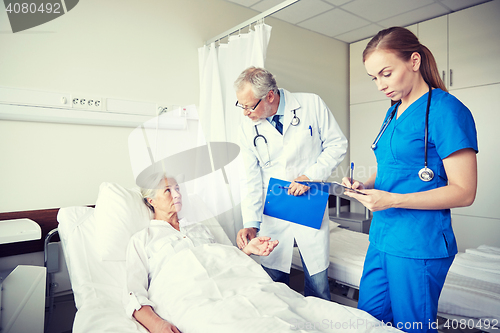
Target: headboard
[[46, 218]]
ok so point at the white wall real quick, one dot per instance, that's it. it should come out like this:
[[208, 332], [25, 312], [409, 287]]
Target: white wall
[[310, 62], [137, 50]]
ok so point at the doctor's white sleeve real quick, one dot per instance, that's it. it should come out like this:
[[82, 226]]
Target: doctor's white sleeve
[[137, 269], [333, 141], [251, 184]]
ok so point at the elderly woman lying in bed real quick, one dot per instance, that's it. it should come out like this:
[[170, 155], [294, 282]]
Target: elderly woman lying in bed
[[151, 248], [179, 279]]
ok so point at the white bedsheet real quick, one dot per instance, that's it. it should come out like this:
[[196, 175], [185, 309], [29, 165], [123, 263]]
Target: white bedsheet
[[463, 296], [472, 286], [482, 264], [347, 255], [104, 315], [216, 288], [486, 251]]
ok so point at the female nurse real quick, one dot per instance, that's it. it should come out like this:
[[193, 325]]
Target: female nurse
[[412, 244]]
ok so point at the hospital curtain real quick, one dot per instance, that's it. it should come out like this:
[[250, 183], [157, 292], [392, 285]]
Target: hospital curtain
[[219, 67]]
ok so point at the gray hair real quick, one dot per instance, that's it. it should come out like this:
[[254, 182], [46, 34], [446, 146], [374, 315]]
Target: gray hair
[[154, 183], [148, 193], [261, 80]]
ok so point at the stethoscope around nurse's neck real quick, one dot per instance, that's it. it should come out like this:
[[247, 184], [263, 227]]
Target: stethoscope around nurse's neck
[[425, 174], [261, 138]]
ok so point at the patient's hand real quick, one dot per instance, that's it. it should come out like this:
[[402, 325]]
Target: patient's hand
[[153, 323], [165, 327], [260, 246]]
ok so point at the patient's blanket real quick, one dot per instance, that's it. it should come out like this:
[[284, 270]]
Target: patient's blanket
[[217, 288]]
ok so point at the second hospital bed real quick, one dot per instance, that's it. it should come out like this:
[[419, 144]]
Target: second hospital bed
[[471, 294]]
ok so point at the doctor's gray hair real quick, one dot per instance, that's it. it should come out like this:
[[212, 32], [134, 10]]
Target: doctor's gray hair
[[261, 79]]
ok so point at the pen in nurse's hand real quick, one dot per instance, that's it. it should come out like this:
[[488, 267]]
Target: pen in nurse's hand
[[352, 173]]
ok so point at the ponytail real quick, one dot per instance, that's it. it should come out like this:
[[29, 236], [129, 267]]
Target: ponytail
[[429, 70]]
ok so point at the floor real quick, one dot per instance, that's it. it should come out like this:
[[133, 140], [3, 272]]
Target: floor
[[63, 314]]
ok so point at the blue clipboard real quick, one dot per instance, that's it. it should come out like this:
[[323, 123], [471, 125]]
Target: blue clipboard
[[307, 209]]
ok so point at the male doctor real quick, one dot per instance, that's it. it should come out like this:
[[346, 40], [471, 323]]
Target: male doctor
[[294, 137]]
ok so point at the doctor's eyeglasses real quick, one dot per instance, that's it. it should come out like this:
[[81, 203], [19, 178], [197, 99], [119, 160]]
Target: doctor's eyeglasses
[[246, 107]]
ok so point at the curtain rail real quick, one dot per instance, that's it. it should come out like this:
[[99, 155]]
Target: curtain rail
[[254, 19]]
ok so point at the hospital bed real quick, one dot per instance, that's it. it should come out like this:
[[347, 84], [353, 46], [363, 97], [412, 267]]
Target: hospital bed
[[470, 297], [94, 242], [347, 254]]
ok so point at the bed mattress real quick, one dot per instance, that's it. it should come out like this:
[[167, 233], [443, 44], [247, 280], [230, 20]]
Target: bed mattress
[[472, 286], [347, 254]]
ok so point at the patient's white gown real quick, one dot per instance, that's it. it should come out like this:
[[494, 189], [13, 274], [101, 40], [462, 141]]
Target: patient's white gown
[[150, 249]]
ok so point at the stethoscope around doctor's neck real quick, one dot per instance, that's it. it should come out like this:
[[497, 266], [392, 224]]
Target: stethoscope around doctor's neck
[[425, 174], [261, 138]]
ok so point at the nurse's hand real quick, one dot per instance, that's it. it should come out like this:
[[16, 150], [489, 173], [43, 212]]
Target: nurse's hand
[[374, 200], [297, 189], [244, 235], [346, 181]]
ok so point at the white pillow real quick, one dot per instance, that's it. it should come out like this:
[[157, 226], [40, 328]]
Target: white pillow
[[91, 278], [119, 214]]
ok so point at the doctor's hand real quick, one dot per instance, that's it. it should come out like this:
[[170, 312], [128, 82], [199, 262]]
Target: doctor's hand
[[244, 235], [297, 189], [261, 246]]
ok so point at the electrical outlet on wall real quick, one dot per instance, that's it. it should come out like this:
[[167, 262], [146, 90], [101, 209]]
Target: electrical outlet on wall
[[95, 103], [75, 102], [86, 102]]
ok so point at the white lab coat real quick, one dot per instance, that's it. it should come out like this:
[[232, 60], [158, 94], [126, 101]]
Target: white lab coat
[[292, 154]]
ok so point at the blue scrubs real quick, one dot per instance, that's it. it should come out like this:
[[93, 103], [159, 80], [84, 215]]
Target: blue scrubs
[[422, 239]]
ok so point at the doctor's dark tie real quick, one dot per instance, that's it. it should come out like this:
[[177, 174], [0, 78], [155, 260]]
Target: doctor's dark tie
[[278, 124]]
